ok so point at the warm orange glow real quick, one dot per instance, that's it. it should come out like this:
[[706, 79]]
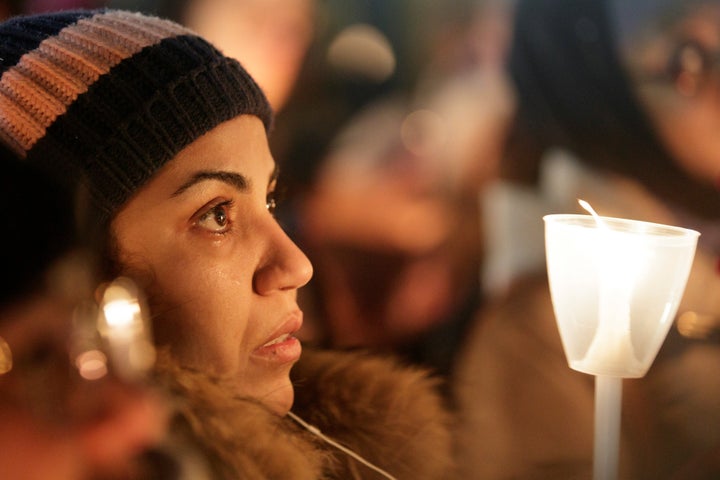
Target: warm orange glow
[[92, 365], [5, 357]]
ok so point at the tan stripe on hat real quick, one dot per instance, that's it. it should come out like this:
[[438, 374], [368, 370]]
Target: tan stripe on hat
[[47, 80]]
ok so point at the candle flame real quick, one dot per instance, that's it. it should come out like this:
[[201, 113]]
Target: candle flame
[[121, 313], [124, 325]]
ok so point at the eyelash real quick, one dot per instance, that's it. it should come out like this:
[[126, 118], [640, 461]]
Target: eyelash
[[212, 213], [271, 202], [277, 193]]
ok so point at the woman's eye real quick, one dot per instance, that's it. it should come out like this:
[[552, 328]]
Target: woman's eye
[[271, 202], [216, 219]]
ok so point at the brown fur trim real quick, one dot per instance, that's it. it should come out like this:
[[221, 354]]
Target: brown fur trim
[[240, 437], [390, 414]]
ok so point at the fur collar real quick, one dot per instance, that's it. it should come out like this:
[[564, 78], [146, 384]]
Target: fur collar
[[388, 413]]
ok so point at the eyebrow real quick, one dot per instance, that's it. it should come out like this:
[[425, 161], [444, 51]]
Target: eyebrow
[[236, 180]]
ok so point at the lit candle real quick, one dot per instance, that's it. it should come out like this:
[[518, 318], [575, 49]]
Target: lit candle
[[126, 330], [620, 259], [616, 285]]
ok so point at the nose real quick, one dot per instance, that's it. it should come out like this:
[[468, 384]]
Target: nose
[[285, 267]]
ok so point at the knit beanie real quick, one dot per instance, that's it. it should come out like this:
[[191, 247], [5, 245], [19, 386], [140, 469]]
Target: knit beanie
[[104, 98]]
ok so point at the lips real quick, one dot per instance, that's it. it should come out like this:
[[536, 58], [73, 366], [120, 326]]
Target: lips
[[279, 339], [282, 347]]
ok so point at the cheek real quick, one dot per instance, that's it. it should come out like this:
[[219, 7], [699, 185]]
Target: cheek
[[688, 128], [201, 310], [696, 144]]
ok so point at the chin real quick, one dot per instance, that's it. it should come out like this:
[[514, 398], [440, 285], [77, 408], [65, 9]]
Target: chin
[[271, 388], [281, 401]]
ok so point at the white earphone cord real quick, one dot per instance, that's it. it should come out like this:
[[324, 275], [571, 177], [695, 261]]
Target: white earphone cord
[[316, 431]]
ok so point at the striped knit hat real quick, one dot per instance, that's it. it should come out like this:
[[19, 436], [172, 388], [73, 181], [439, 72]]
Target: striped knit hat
[[109, 96]]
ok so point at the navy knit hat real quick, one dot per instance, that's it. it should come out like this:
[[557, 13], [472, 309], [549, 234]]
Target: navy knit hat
[[109, 96]]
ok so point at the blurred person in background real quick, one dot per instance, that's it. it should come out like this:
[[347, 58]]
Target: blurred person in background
[[270, 37], [57, 421], [617, 104], [168, 141], [384, 179], [394, 252]]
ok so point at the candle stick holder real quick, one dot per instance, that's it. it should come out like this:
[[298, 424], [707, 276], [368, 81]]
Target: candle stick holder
[[615, 285]]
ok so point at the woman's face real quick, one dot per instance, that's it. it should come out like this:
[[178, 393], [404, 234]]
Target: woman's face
[[686, 108], [220, 273]]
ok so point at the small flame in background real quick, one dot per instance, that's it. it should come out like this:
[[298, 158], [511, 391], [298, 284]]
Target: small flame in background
[[114, 335]]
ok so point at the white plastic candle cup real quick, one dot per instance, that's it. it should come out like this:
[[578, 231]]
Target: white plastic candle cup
[[615, 288]]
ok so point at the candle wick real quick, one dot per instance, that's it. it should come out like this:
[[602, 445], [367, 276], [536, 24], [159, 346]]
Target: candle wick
[[592, 211]]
